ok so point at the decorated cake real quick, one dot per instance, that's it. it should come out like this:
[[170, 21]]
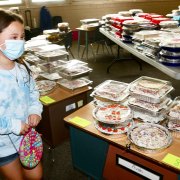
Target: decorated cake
[[112, 114], [113, 128]]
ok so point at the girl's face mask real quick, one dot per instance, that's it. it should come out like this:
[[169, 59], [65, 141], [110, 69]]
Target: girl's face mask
[[14, 49]]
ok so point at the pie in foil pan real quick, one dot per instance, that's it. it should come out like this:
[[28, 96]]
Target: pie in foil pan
[[150, 137]]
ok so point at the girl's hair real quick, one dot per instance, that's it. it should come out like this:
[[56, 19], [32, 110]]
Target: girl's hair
[[6, 18]]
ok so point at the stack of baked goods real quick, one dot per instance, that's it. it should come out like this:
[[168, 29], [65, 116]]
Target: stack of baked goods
[[113, 119], [111, 114], [173, 116], [149, 99], [74, 75]]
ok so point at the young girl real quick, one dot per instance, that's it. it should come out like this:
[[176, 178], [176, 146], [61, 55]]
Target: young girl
[[20, 108]]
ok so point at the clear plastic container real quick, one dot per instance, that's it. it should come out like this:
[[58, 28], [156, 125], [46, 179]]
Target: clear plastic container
[[52, 66], [73, 63], [74, 84], [47, 67], [112, 90], [33, 59], [45, 86], [153, 107], [51, 76], [174, 109], [75, 72], [150, 89], [146, 115], [53, 55]]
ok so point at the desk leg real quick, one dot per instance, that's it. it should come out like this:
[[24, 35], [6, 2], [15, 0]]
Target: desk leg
[[79, 39]]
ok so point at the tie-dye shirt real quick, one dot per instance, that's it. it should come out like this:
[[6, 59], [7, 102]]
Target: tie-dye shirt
[[18, 99]]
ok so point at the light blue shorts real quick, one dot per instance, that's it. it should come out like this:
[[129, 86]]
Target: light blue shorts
[[8, 159]]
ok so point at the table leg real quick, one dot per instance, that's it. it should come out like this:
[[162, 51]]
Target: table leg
[[86, 46], [79, 41]]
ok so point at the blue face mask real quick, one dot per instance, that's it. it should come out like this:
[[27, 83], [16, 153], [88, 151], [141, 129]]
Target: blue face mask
[[14, 49]]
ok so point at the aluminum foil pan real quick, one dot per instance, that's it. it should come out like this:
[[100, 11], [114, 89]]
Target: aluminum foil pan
[[150, 137], [150, 89]]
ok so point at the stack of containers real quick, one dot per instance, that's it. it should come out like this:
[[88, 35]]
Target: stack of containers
[[173, 116], [41, 57], [54, 68], [107, 21], [148, 25], [111, 114], [49, 55], [41, 53], [128, 29], [156, 18], [113, 119], [149, 99], [116, 24], [170, 51], [116, 27], [74, 75], [70, 75], [146, 39]]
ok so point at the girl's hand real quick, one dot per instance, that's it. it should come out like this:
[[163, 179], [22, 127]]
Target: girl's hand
[[33, 120], [24, 128]]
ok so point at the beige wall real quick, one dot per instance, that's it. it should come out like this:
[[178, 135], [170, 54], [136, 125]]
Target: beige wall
[[73, 13]]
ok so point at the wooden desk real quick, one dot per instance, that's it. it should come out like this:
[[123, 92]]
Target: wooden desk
[[52, 126], [112, 146]]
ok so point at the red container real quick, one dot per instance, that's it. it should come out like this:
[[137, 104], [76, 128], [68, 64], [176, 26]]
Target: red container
[[151, 16], [122, 19], [158, 20]]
